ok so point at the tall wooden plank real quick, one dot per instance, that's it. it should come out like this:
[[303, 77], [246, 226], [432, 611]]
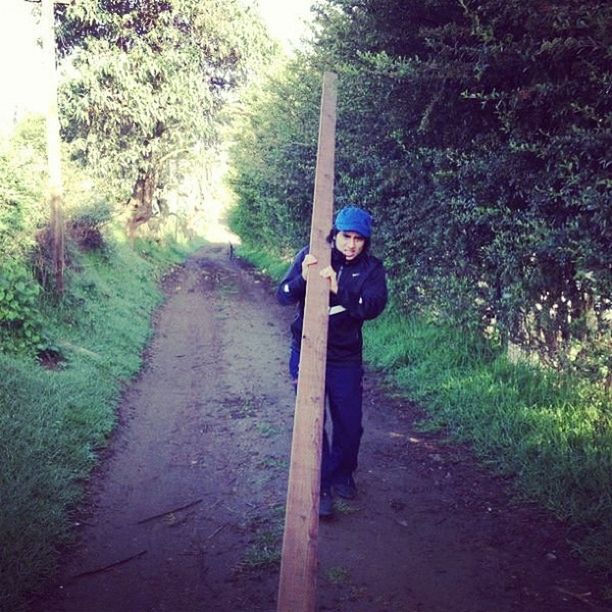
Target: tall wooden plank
[[298, 573]]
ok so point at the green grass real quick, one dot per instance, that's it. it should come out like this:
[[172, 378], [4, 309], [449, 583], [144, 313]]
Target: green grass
[[264, 550], [271, 265], [343, 506], [263, 553], [552, 432], [274, 463], [52, 421], [338, 575], [267, 430]]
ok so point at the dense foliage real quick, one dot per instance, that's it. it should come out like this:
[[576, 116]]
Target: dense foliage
[[146, 83], [22, 175], [477, 133], [142, 87], [25, 264]]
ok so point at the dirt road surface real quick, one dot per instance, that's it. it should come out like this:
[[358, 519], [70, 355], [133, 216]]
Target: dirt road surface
[[185, 511]]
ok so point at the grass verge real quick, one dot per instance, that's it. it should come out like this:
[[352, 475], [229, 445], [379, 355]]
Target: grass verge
[[52, 421], [552, 432], [272, 265]]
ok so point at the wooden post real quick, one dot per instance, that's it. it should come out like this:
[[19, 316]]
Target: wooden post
[[53, 147], [298, 573]]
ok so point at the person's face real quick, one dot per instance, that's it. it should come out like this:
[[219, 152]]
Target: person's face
[[350, 244]]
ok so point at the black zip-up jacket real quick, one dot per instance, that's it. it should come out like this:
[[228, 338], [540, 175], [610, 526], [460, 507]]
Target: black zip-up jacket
[[362, 295]]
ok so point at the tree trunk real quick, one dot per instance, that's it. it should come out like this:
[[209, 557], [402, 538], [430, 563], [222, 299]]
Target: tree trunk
[[141, 202]]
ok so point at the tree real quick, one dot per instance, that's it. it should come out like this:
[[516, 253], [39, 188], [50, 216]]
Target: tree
[[146, 83]]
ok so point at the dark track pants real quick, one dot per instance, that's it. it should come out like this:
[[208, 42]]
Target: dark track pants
[[343, 387], [344, 394]]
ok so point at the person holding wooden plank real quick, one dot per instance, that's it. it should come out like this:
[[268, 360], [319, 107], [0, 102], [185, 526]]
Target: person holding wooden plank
[[358, 292]]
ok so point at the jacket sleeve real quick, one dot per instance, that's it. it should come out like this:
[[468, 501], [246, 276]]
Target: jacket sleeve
[[292, 288], [369, 300]]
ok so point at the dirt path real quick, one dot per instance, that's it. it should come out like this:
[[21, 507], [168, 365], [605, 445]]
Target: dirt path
[[208, 426]]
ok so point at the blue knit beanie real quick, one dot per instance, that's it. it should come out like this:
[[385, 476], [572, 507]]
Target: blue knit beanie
[[354, 219]]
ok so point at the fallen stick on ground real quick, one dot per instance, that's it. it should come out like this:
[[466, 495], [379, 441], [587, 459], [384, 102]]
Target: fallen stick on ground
[[156, 516], [583, 597], [107, 567], [216, 531]]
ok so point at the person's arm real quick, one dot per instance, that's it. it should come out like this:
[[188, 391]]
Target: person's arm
[[371, 298], [292, 288]]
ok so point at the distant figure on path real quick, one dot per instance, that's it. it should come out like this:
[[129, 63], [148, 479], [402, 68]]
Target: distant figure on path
[[358, 292]]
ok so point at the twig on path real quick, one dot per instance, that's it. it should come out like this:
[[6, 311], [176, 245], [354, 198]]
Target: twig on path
[[579, 596], [156, 516], [213, 506], [107, 567], [216, 531]]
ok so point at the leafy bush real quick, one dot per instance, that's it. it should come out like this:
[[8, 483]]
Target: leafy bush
[[274, 160], [86, 225], [477, 134], [20, 318], [22, 175]]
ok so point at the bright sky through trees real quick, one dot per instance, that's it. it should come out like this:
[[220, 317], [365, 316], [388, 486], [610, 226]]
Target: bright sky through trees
[[21, 72], [286, 19], [21, 65]]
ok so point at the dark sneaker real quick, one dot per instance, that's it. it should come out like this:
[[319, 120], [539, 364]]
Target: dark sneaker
[[326, 504], [346, 488]]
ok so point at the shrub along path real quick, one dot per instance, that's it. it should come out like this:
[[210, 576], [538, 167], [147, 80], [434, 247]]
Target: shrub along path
[[185, 510]]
